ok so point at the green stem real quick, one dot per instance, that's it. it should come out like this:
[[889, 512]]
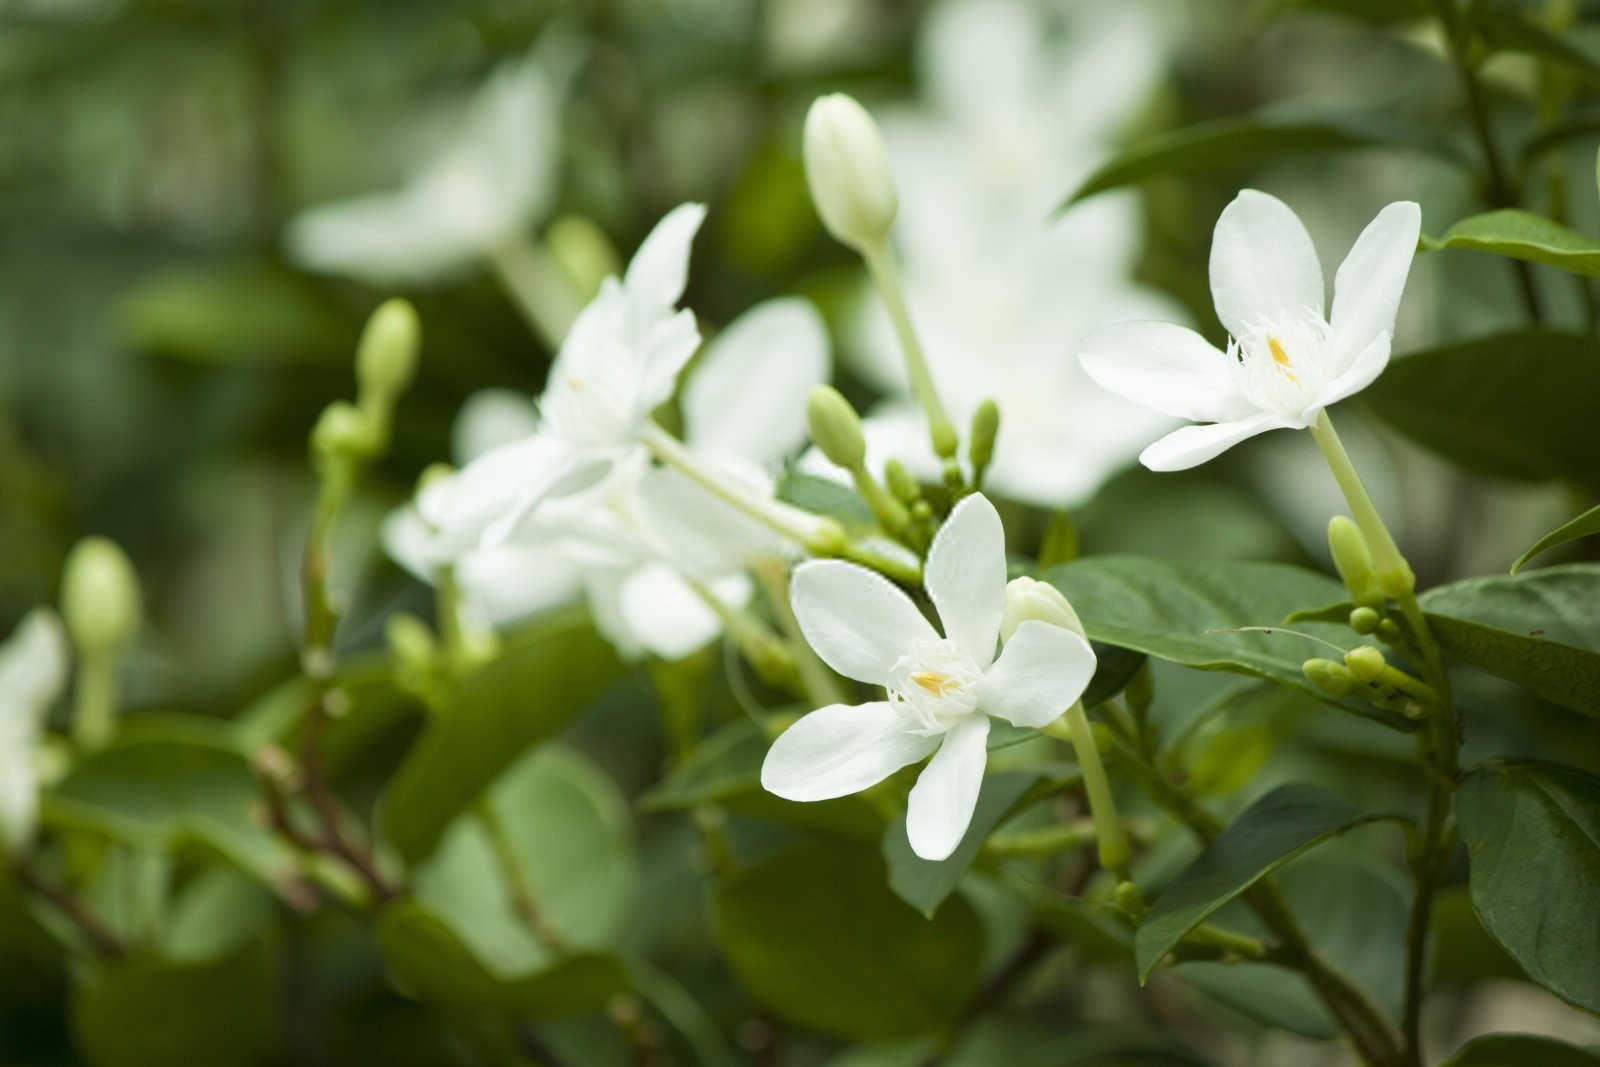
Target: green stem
[[880, 261], [548, 301], [1394, 573], [523, 900], [94, 714], [1113, 843]]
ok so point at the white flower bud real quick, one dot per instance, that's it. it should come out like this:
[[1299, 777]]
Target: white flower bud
[[847, 169], [1029, 599], [100, 598]]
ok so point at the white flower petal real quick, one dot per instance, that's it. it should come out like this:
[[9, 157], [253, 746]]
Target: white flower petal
[[939, 809], [700, 532], [33, 669], [1041, 671], [667, 617], [858, 621], [839, 750], [659, 270], [490, 418], [1263, 265], [1190, 446], [19, 800], [747, 395], [664, 351], [1166, 367], [1367, 287], [1362, 372], [483, 502], [966, 577], [514, 580]]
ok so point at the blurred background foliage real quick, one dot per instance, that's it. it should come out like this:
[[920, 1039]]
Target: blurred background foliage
[[162, 362]]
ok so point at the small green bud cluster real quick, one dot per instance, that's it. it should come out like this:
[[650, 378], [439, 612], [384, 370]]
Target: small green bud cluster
[[1352, 558], [386, 363]]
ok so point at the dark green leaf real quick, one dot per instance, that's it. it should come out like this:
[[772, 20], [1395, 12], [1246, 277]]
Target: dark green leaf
[[1583, 526], [1382, 12], [1523, 235], [1532, 832], [1516, 405], [546, 674], [1272, 831], [725, 764], [1114, 668], [1190, 613], [815, 934], [924, 884], [1521, 1050], [1509, 31], [1039, 1043], [1540, 630]]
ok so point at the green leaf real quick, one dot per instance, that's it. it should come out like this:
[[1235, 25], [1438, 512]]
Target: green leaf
[[724, 765], [1532, 832], [1238, 143], [1515, 405], [924, 884], [1583, 526], [1383, 12], [1523, 235], [547, 673], [1540, 630], [825, 497], [1272, 831], [815, 934], [1190, 612], [1520, 1050], [148, 1011], [1507, 31], [1019, 1042]]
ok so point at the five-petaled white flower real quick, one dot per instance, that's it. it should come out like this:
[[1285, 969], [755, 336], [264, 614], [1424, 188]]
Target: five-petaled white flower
[[941, 691], [1286, 360], [33, 672]]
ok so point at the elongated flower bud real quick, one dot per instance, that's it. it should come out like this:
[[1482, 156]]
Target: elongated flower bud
[[985, 428], [1028, 598], [1329, 676], [835, 427], [100, 598], [1353, 560], [847, 169], [1366, 662], [386, 357]]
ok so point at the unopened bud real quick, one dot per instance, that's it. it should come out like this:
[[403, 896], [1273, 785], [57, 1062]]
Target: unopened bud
[[1365, 620], [847, 170], [341, 431], [1029, 599], [1330, 677], [835, 427], [1353, 560], [410, 639], [901, 484], [1366, 662], [386, 358], [583, 252], [985, 428], [1389, 630], [1129, 900], [100, 599]]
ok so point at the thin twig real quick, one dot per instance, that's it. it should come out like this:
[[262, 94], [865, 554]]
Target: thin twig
[[106, 943]]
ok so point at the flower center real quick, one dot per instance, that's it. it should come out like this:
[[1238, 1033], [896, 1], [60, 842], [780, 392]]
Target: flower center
[[936, 685], [595, 407], [1282, 362]]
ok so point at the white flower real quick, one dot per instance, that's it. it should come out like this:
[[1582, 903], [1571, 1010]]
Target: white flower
[[33, 672], [941, 691], [1286, 360], [493, 179]]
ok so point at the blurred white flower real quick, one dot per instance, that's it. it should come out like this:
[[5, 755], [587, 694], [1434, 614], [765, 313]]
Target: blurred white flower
[[940, 691], [494, 179], [1001, 289], [1287, 359], [33, 673]]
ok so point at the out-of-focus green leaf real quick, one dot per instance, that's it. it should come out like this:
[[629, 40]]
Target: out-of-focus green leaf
[[1532, 832], [1504, 30], [1190, 613], [1037, 1043], [1272, 831], [1243, 142], [1383, 12], [924, 884], [1583, 526], [547, 673], [1114, 668], [148, 1011], [823, 497], [1523, 235], [725, 764], [1188, 515], [1521, 1050], [815, 934], [1515, 405], [1540, 630]]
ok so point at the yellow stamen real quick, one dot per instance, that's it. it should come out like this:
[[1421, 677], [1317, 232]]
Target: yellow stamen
[[933, 682], [1281, 358], [576, 384]]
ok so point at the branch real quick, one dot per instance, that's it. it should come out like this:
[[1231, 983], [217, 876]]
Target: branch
[[106, 943]]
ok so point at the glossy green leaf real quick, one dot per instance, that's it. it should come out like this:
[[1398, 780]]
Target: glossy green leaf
[[1515, 405], [1238, 143], [924, 884], [1532, 832], [1191, 613], [1584, 525], [546, 673], [1523, 235], [1521, 1050], [815, 934], [1540, 629], [1272, 831]]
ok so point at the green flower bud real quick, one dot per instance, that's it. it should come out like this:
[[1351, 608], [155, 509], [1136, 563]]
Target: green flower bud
[[1129, 900], [583, 252], [901, 484], [1366, 662], [1353, 560], [410, 640], [1365, 620], [1028, 599], [386, 358], [985, 428], [835, 427], [847, 170], [1334, 679], [341, 431], [1389, 630], [100, 599]]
